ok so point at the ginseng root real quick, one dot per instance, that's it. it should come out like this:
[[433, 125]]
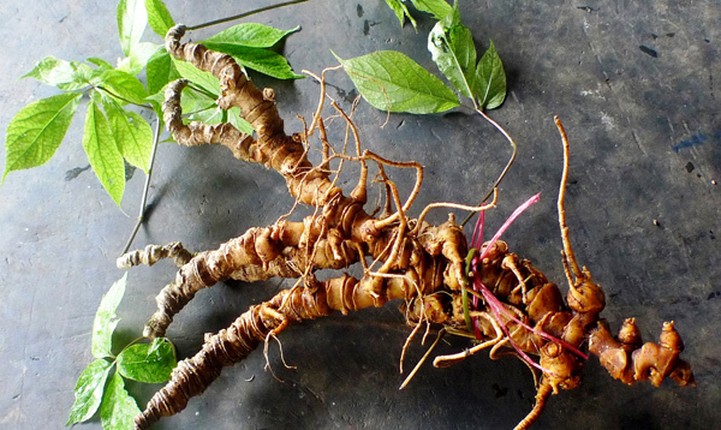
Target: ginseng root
[[486, 293]]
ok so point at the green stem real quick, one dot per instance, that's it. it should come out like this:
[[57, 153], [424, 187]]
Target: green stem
[[244, 15], [146, 188]]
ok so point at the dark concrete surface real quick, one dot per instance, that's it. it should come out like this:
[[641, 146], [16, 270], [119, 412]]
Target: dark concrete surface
[[636, 85]]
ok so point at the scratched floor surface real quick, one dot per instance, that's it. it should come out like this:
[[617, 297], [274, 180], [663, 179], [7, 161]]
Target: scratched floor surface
[[636, 85]]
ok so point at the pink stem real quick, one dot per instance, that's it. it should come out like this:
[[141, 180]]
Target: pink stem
[[498, 309], [496, 306], [477, 237], [519, 210]]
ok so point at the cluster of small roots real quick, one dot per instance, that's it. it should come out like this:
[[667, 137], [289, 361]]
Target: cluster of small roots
[[491, 296]]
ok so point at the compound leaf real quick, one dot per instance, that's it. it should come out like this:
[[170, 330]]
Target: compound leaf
[[89, 391], [148, 362], [35, 133], [102, 152], [118, 409], [391, 81]]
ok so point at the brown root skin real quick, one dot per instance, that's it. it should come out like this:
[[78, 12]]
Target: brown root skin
[[317, 299], [629, 361], [402, 259]]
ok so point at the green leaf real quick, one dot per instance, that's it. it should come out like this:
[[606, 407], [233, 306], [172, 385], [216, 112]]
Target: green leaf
[[138, 58], [390, 80], [133, 134], [118, 409], [89, 391], [201, 78], [123, 86], [261, 60], [401, 12], [159, 18], [210, 115], [102, 152], [65, 75], [132, 20], [106, 319], [35, 133], [148, 362], [250, 35], [102, 64], [451, 46], [239, 122], [438, 8], [160, 70], [490, 80]]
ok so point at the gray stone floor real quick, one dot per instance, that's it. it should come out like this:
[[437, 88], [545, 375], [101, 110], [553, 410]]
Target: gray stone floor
[[636, 85]]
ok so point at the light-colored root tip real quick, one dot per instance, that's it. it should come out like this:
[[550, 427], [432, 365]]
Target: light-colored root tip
[[569, 256], [544, 391]]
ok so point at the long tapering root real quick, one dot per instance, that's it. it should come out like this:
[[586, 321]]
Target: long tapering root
[[151, 254], [543, 393], [229, 346], [192, 376]]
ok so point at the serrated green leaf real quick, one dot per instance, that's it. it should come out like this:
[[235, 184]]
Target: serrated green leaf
[[118, 409], [200, 78], [133, 134], [102, 152], [210, 115], [197, 104], [261, 60], [35, 133], [159, 17], [65, 75], [239, 122], [123, 86], [106, 319], [132, 20], [401, 12], [451, 46], [438, 8], [89, 391], [490, 80], [138, 58], [148, 362], [391, 81], [160, 70], [249, 34]]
